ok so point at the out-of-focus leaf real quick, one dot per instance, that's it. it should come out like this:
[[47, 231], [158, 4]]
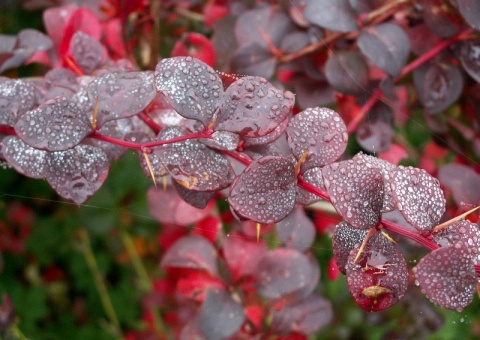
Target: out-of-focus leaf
[[335, 15]]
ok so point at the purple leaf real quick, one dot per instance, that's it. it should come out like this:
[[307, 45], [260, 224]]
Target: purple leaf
[[386, 45], [197, 199], [86, 52], [375, 132], [464, 234], [321, 133], [282, 272], [265, 191], [356, 190], [312, 92], [192, 87], [470, 58], [76, 174], [255, 60], [344, 239], [470, 10], [296, 230], [347, 72], [222, 140], [23, 158], [463, 182], [379, 278], [384, 167], [441, 18], [439, 85], [252, 107], [335, 15], [220, 316], [121, 94], [16, 98], [56, 125], [262, 26], [166, 206], [268, 138], [306, 316], [192, 164], [418, 196], [193, 252], [313, 176], [447, 277]]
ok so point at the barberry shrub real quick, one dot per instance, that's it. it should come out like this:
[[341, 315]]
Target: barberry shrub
[[297, 110]]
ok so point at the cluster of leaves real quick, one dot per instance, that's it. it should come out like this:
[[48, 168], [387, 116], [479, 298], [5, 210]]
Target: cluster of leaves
[[207, 135]]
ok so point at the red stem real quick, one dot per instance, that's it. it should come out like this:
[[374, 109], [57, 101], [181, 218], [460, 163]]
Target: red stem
[[7, 130], [149, 121], [239, 157]]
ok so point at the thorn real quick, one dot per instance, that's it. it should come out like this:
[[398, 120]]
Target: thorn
[[391, 240], [74, 67], [150, 168], [164, 182], [453, 220], [364, 243], [300, 162], [258, 231], [95, 113]]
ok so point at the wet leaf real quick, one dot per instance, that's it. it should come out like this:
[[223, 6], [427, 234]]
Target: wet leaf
[[335, 15], [198, 199], [418, 196], [313, 176], [252, 107], [461, 234], [441, 18], [220, 316], [16, 98], [470, 10], [386, 45], [447, 277], [56, 125], [344, 239], [121, 94], [87, 53], [265, 191], [23, 158], [76, 174], [356, 190], [321, 133], [255, 60], [375, 132], [268, 138], [379, 279], [192, 164], [192, 87], [191, 252], [222, 140]]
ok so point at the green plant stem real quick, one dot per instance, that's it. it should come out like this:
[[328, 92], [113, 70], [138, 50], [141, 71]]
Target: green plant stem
[[99, 282], [17, 333], [145, 281]]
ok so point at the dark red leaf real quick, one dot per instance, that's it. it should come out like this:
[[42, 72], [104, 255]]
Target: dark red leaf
[[344, 239], [447, 277], [463, 182], [321, 133], [86, 52], [16, 98], [193, 252], [441, 18], [386, 45], [268, 138], [313, 176], [335, 15], [195, 284], [470, 10], [312, 92], [265, 191], [470, 58], [379, 279], [375, 132], [255, 60], [464, 234], [198, 199], [220, 316]]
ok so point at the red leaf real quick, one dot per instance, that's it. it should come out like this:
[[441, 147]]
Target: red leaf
[[195, 45], [209, 228], [196, 284]]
